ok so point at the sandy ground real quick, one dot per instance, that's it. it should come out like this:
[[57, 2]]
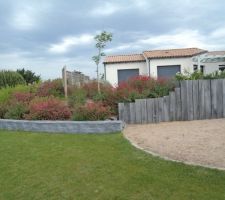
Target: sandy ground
[[194, 142]]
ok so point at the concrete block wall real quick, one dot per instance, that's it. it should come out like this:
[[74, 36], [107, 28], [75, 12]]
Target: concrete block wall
[[63, 126]]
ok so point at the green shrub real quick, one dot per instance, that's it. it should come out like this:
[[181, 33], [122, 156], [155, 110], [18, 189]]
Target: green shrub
[[10, 79], [51, 88], [77, 97], [6, 93], [197, 75], [16, 111], [3, 110], [91, 111]]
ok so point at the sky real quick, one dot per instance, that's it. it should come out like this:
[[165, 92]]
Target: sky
[[45, 35]]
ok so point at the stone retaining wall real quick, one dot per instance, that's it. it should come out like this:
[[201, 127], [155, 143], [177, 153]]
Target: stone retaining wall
[[63, 126]]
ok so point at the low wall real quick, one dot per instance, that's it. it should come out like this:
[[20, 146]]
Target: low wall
[[63, 126]]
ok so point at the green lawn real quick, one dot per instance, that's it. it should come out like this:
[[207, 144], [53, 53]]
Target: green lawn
[[56, 166]]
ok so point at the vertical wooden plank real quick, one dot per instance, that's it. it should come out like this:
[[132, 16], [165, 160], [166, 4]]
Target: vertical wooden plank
[[172, 106], [214, 98], [138, 109], [201, 102], [127, 112], [143, 111], [184, 100], [190, 99], [121, 111], [223, 97], [220, 99], [132, 113], [150, 110], [166, 108], [195, 90], [217, 98], [207, 96], [156, 110], [178, 104], [160, 111]]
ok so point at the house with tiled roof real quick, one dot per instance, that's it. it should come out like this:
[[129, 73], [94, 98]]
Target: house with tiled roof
[[161, 63]]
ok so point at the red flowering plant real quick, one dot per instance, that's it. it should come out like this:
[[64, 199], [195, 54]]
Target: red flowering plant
[[23, 97], [91, 111], [51, 88], [48, 108]]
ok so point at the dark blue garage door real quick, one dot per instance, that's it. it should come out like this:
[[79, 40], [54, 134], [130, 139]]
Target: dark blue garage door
[[125, 74], [168, 71]]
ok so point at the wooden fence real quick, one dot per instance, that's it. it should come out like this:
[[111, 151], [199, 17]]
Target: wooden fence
[[192, 100]]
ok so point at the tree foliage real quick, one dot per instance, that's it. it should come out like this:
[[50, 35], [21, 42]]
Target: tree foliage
[[29, 76], [101, 41], [10, 79]]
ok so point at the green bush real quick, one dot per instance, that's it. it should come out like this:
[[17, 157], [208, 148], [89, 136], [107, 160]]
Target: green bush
[[3, 110], [29, 76], [91, 111], [16, 111], [6, 93], [10, 79], [196, 75], [77, 97]]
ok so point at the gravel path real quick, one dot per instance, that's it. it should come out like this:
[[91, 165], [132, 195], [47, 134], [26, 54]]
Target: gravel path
[[194, 142]]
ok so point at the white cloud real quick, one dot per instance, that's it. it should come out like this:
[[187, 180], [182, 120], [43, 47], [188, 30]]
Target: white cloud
[[176, 39], [71, 41], [24, 18], [106, 9], [28, 15]]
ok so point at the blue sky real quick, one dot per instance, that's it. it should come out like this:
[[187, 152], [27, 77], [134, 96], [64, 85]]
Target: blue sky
[[45, 35]]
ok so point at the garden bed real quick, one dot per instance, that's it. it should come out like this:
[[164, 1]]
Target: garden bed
[[63, 126]]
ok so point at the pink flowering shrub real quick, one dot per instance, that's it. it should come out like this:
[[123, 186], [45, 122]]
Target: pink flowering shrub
[[23, 97], [51, 88], [91, 111], [48, 109]]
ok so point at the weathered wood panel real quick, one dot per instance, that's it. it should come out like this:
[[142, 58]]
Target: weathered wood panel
[[178, 104], [166, 109], [217, 98], [138, 112], [184, 99], [172, 106], [150, 110], [223, 98], [199, 99], [132, 113], [195, 90]]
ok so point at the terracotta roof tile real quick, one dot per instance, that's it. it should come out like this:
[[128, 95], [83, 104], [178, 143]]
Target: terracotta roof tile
[[124, 58], [169, 53], [173, 53], [216, 53]]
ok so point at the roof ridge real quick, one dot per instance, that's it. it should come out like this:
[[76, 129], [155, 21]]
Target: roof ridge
[[172, 49], [135, 54]]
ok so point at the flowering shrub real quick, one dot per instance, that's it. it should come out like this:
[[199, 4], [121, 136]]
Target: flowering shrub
[[16, 111], [91, 111], [48, 108], [51, 88], [23, 97]]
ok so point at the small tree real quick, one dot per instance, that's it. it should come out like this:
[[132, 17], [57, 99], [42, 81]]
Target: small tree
[[101, 41], [29, 76]]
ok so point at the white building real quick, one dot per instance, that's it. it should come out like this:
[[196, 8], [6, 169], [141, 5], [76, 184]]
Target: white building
[[162, 63]]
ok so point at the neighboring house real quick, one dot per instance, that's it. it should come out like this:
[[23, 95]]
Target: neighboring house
[[159, 63]]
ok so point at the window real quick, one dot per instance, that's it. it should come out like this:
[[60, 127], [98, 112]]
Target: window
[[195, 67], [202, 68], [222, 68]]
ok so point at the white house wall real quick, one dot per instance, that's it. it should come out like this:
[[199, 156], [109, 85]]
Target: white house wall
[[112, 70], [185, 63], [212, 67]]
